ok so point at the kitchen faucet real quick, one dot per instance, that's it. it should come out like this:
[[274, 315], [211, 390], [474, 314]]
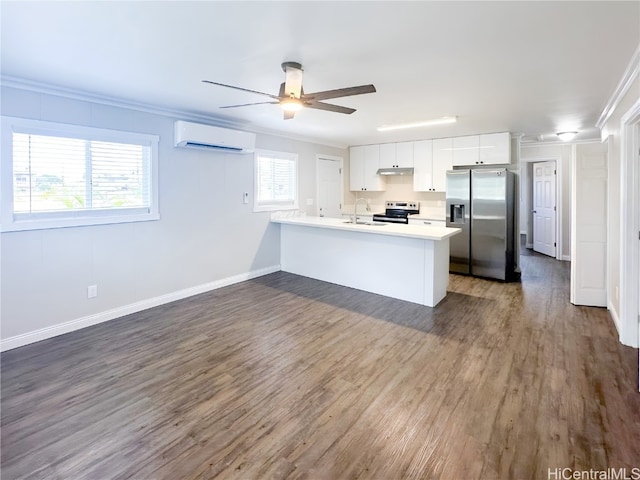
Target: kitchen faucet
[[355, 208]]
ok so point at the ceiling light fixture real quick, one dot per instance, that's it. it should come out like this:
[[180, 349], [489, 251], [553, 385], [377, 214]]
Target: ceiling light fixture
[[426, 123], [291, 104], [566, 136]]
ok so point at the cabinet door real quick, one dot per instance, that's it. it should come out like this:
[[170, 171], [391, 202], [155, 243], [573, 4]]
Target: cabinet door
[[428, 223], [495, 148], [422, 166], [442, 161], [356, 168], [387, 155], [372, 181], [405, 154], [466, 150]]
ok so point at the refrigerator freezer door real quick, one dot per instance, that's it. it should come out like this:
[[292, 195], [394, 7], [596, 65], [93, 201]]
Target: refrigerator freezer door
[[489, 212], [459, 216]]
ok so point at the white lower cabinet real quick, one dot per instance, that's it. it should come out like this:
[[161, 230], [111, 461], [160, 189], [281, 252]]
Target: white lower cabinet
[[428, 223]]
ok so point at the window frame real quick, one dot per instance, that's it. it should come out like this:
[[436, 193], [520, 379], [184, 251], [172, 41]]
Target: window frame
[[11, 221], [275, 205]]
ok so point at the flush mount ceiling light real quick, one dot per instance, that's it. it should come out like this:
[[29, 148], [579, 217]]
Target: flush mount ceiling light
[[426, 123], [566, 136]]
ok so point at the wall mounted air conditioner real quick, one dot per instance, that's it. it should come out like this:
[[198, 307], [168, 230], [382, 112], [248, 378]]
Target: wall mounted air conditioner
[[197, 135]]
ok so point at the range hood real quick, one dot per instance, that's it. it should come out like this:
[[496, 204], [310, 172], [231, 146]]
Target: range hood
[[395, 171]]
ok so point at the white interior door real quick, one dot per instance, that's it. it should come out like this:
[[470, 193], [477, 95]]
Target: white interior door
[[544, 208], [589, 226], [329, 187]]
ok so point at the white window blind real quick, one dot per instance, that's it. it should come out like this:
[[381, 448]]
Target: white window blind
[[276, 181], [78, 176]]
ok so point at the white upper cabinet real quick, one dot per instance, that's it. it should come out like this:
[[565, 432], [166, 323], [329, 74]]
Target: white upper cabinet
[[405, 154], [396, 155], [495, 148], [466, 150], [442, 161], [364, 162], [431, 160], [387, 155], [423, 166], [485, 149]]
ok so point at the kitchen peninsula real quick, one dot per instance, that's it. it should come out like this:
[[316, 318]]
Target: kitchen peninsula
[[408, 262]]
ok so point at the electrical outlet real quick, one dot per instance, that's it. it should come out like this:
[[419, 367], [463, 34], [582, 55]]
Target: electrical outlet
[[92, 291]]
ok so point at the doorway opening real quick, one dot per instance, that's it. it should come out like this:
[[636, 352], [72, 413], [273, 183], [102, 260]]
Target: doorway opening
[[550, 229]]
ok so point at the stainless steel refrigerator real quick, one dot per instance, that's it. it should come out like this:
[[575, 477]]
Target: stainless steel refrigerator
[[481, 203]]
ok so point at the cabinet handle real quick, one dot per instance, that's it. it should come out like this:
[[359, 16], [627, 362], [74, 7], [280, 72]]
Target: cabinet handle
[[427, 223]]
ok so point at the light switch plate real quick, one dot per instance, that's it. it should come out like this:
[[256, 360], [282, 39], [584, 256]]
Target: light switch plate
[[245, 198]]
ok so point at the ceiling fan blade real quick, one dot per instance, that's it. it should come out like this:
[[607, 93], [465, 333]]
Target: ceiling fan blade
[[239, 88], [288, 115], [293, 81], [249, 104], [340, 92], [329, 107]]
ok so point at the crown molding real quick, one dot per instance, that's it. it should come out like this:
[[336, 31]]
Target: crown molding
[[44, 88], [630, 74]]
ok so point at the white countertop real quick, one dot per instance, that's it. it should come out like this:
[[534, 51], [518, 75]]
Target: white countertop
[[425, 232]]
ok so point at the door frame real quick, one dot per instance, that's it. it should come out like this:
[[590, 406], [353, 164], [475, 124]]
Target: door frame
[[528, 164], [630, 213], [319, 158]]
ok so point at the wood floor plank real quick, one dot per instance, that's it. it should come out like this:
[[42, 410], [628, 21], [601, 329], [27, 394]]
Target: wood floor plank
[[287, 377]]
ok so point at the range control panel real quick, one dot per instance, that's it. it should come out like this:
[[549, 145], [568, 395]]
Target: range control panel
[[404, 205]]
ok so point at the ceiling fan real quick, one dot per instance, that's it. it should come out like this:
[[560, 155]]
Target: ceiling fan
[[292, 97]]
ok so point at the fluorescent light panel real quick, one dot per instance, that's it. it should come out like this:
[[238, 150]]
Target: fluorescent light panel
[[426, 123]]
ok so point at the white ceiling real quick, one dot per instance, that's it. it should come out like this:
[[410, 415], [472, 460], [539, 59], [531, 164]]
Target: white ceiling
[[527, 67]]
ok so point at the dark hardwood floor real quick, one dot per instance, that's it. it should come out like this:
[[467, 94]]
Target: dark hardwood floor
[[288, 377]]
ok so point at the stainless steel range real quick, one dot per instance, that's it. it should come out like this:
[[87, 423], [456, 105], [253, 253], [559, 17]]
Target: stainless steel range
[[397, 212]]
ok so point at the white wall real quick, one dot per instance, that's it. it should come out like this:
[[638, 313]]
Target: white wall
[[611, 129], [206, 235], [561, 153]]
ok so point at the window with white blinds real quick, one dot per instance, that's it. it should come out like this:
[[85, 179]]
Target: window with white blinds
[[64, 175], [276, 181]]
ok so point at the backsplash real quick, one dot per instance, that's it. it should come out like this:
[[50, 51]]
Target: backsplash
[[432, 204]]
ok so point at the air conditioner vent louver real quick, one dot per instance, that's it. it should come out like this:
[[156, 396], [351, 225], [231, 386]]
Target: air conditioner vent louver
[[196, 135]]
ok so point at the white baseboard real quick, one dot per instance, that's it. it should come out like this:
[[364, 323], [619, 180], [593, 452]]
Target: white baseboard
[[529, 245], [566, 258], [614, 316], [72, 325]]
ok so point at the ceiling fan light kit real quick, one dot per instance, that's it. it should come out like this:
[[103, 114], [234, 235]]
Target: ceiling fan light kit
[[292, 98], [425, 123]]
